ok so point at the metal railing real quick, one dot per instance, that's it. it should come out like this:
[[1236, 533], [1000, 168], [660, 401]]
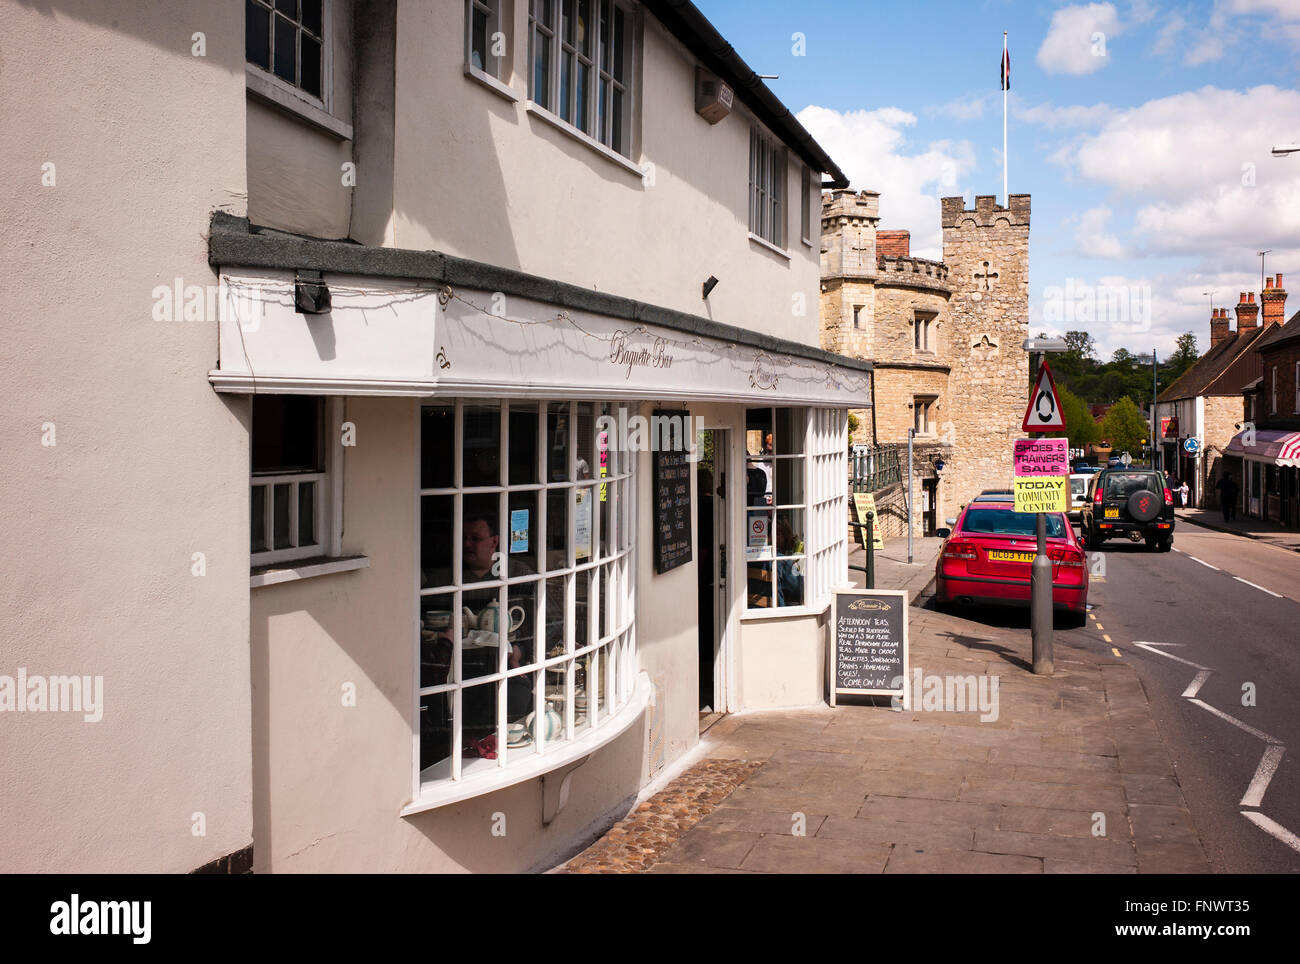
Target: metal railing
[[874, 467]]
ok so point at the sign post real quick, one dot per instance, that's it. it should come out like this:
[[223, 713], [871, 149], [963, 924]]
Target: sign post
[[1044, 460]]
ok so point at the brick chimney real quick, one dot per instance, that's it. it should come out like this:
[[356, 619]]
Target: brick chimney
[[1273, 298], [893, 244], [1247, 312], [1219, 332]]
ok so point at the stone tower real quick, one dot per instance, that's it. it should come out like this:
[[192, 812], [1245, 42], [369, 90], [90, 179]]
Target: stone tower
[[987, 254], [849, 221]]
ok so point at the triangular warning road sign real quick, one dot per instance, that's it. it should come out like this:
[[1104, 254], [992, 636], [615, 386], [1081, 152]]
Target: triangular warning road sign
[[1043, 413]]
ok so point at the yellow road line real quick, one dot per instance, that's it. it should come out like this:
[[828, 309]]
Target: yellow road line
[[1117, 652], [1107, 638]]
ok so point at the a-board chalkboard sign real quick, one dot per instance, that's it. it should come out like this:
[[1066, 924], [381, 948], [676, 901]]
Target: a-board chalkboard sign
[[869, 643], [672, 502]]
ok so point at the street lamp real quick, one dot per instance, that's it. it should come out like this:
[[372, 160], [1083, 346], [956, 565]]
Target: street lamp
[[1155, 367]]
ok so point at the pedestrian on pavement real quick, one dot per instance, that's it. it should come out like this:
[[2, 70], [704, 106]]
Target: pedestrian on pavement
[[1227, 487], [1184, 493]]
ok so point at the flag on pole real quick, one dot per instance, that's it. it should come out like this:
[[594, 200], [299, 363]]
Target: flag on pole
[[1006, 67]]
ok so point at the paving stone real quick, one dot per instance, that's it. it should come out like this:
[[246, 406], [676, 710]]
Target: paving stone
[[1152, 823], [1094, 849], [938, 812], [1065, 823], [1153, 788], [907, 783], [907, 860], [1048, 796], [713, 848], [762, 821], [844, 803], [816, 855], [898, 832], [1053, 865], [1054, 758], [1074, 776], [1172, 858], [663, 867]]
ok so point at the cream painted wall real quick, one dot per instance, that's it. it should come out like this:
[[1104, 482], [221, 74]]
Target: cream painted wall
[[330, 780], [782, 662], [480, 177], [149, 466]]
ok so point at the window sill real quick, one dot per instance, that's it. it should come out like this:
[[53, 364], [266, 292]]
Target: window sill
[[274, 93], [782, 612], [565, 127], [278, 572], [763, 242], [498, 87], [456, 791]]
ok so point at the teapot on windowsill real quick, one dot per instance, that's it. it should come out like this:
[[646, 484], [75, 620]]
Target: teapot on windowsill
[[489, 618], [554, 724]]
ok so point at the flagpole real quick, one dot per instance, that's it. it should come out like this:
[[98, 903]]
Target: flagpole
[[1006, 197]]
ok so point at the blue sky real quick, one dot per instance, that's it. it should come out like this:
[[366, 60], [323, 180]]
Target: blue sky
[[1142, 129]]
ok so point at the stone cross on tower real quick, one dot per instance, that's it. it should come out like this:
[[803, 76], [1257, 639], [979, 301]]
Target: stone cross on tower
[[986, 276]]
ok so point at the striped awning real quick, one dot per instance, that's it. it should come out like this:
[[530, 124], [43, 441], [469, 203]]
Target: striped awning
[[1275, 448]]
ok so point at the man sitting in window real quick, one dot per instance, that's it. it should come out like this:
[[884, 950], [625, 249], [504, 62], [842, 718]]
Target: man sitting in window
[[789, 580]]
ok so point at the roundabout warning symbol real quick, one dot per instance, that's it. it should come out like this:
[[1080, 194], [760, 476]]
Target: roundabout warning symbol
[[1043, 414]]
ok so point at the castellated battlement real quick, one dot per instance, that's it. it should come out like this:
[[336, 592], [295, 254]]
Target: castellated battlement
[[851, 204], [987, 211], [914, 272]]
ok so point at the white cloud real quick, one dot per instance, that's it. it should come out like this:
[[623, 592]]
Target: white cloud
[[1076, 115], [1195, 168], [1092, 238], [872, 149], [1077, 39], [966, 107]]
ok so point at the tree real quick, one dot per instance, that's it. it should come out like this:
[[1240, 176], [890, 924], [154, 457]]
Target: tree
[[1184, 355], [1124, 426], [1080, 427], [1081, 346], [1122, 358]]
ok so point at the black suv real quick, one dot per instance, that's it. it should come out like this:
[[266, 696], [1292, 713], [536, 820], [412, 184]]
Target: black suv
[[1128, 501]]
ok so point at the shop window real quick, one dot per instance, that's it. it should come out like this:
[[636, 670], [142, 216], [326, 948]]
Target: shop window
[[581, 56], [291, 509], [796, 466], [525, 582], [285, 39]]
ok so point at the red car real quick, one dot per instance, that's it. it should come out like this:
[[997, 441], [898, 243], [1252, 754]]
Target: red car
[[987, 559]]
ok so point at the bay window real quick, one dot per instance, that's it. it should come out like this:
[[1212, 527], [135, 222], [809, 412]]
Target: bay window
[[526, 588]]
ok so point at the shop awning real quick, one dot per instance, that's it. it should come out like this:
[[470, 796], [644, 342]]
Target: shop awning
[[1275, 448], [387, 336]]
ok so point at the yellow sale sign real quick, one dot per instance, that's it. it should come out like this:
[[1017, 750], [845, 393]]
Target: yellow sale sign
[[1042, 493]]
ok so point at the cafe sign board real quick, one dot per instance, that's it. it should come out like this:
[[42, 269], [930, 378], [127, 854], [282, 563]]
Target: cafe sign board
[[869, 645]]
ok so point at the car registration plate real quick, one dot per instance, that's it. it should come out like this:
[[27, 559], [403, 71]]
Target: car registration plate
[[1112, 513], [1004, 555]]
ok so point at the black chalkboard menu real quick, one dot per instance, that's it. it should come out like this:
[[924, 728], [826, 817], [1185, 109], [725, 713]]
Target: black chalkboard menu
[[672, 504], [869, 642]]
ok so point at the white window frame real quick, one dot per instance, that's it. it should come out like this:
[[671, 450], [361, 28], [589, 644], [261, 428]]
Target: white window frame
[[922, 334], [595, 126], [259, 78], [328, 511], [767, 187], [806, 205], [455, 778], [491, 68]]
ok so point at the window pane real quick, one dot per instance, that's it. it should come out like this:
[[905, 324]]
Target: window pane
[[436, 533], [789, 532], [286, 53], [307, 513], [311, 18], [258, 518], [480, 537], [758, 482], [557, 441], [435, 732], [257, 34], [606, 497], [437, 446], [580, 111], [581, 620], [758, 431], [311, 78], [616, 122], [287, 7], [586, 442], [582, 680], [521, 541], [523, 443], [582, 512], [482, 453], [479, 707], [478, 39], [557, 529], [437, 624], [523, 624], [789, 481], [789, 431], [541, 68], [789, 582], [556, 609], [759, 584], [583, 35], [286, 436], [566, 70], [280, 516], [619, 44]]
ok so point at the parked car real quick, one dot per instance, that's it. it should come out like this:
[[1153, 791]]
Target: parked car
[[995, 495], [1078, 495], [1133, 502], [986, 558]]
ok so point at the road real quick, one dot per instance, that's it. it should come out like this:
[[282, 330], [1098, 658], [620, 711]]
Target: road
[[1211, 627]]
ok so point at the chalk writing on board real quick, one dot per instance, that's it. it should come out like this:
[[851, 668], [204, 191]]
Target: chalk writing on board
[[672, 507]]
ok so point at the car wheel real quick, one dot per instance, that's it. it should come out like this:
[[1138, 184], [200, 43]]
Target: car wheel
[[1152, 543], [1092, 539], [1165, 544]]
